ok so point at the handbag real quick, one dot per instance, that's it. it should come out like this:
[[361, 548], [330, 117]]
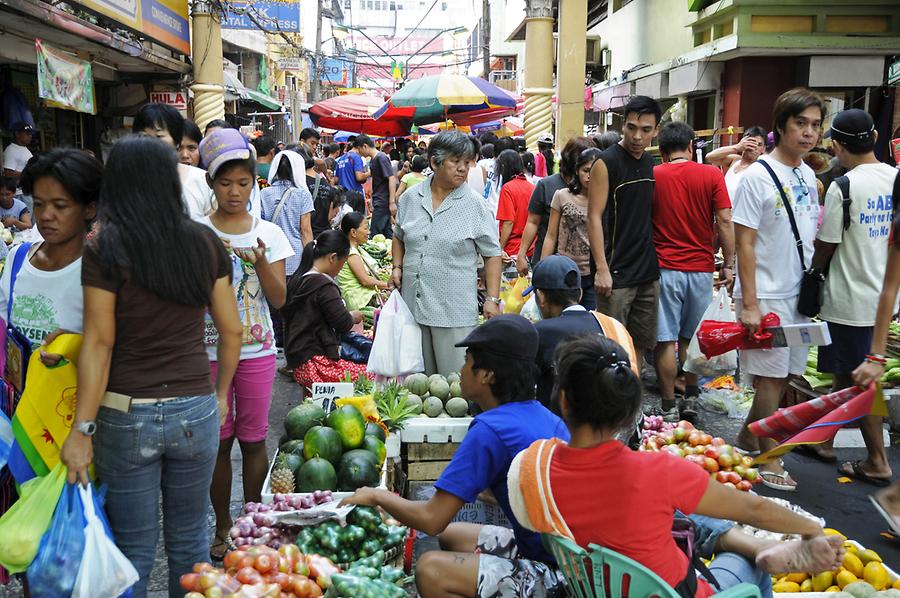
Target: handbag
[[17, 346], [812, 285], [355, 347]]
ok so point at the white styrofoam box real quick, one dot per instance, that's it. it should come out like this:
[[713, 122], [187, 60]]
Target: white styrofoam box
[[852, 438], [891, 574], [268, 495], [435, 430]]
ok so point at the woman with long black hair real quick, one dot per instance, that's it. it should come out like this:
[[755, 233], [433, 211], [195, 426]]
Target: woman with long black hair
[[512, 209], [143, 375]]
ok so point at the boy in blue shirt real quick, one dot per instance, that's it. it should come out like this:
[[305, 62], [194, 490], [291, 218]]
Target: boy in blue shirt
[[485, 560], [350, 170]]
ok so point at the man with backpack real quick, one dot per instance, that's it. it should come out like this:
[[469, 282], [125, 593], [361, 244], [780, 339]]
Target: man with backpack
[[851, 253]]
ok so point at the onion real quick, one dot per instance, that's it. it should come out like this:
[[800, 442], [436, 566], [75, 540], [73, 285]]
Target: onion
[[296, 501], [280, 498], [262, 540], [245, 530], [240, 542], [263, 519], [264, 508], [306, 503], [235, 532], [251, 507]]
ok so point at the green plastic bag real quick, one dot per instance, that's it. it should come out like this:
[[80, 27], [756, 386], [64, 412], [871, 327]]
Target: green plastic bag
[[24, 524]]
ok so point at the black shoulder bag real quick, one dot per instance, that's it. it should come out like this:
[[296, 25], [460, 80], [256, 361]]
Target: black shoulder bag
[[812, 284]]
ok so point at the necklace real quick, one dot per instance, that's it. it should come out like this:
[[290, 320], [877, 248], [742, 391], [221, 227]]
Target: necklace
[[673, 160]]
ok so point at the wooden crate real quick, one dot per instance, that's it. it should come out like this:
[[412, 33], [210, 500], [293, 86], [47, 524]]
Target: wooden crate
[[426, 461]]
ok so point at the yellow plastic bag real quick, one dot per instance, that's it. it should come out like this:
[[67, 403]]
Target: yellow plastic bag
[[512, 298], [45, 413], [24, 524]]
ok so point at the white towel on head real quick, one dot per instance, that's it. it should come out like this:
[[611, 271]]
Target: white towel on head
[[298, 167]]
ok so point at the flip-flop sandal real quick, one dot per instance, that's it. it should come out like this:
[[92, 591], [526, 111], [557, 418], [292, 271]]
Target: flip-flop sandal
[[221, 540], [744, 452], [857, 472], [892, 520], [805, 449], [784, 476]]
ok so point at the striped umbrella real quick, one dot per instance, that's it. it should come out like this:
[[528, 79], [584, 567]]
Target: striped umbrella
[[354, 113], [440, 97]]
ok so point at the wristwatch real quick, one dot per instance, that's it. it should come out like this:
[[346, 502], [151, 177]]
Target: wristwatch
[[87, 428], [493, 300]]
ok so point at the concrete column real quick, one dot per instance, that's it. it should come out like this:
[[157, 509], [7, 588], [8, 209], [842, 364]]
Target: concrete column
[[206, 55], [538, 89], [570, 70]]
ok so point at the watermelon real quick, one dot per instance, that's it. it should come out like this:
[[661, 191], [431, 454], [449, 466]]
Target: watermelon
[[301, 418], [376, 447], [440, 389], [292, 446], [373, 429], [289, 461], [457, 407], [350, 425], [455, 389], [357, 471], [432, 406], [417, 384], [316, 474], [322, 442], [357, 454]]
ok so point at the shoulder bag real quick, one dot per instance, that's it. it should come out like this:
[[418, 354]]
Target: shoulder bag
[[18, 347]]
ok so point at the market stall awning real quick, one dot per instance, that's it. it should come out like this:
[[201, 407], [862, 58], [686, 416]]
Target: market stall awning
[[235, 91], [263, 99]]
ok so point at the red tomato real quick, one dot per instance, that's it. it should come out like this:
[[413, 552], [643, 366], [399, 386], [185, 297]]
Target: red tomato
[[232, 560], [264, 563], [710, 465], [282, 579], [729, 485], [246, 561], [248, 576], [721, 477], [695, 438], [711, 452], [685, 425], [733, 478], [190, 582], [725, 460], [718, 441], [201, 567], [209, 579], [744, 485]]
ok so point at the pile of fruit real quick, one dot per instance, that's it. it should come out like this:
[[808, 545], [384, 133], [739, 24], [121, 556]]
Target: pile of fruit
[[365, 534], [379, 247], [724, 464], [258, 526], [262, 572], [436, 396], [861, 575], [339, 451]]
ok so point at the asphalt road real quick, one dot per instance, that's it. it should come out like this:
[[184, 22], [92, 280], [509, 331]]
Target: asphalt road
[[844, 506]]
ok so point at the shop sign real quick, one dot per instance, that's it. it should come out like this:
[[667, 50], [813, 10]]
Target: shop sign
[[894, 73], [63, 80], [176, 99], [290, 64], [324, 394], [331, 71], [165, 21], [271, 15]]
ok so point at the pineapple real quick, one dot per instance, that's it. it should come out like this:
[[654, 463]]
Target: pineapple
[[282, 481]]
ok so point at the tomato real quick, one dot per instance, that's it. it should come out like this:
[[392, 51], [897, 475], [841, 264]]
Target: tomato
[[721, 477], [733, 478], [282, 579], [233, 559], [744, 486], [686, 425], [249, 576], [711, 452], [707, 439], [214, 592], [725, 460], [194, 595], [694, 438], [717, 441], [201, 567], [301, 568], [710, 465], [264, 563], [290, 551], [209, 579], [190, 582]]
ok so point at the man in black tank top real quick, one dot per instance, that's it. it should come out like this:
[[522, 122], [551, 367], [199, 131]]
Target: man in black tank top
[[621, 229]]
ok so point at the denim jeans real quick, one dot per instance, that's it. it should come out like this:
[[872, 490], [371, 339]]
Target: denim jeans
[[167, 446], [728, 568], [381, 220]]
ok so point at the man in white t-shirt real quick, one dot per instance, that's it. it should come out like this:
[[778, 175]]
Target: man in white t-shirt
[[16, 155], [856, 241], [768, 259]]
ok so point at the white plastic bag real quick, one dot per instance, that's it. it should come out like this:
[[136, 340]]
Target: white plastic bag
[[104, 570], [531, 311], [697, 363], [397, 348]]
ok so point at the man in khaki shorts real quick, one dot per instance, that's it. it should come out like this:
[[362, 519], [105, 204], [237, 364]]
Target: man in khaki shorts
[[620, 205]]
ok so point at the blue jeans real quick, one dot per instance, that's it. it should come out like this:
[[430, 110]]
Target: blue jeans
[[171, 447], [728, 568], [588, 294], [381, 220]]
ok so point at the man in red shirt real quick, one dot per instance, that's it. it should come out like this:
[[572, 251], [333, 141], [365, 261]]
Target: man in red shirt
[[690, 205]]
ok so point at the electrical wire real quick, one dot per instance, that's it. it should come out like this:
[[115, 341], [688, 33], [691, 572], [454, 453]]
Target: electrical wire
[[413, 30]]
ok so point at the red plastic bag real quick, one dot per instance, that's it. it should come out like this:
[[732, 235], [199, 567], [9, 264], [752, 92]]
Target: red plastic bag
[[716, 337]]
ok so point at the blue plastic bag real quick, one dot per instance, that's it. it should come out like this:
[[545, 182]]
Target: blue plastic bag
[[53, 571]]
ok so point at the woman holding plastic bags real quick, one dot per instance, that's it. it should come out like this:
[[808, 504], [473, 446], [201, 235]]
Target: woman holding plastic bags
[[143, 376], [316, 314], [443, 229]]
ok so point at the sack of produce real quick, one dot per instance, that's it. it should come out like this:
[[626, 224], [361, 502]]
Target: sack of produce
[[24, 524], [52, 573]]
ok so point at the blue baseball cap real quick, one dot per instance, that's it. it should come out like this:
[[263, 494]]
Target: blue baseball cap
[[554, 273]]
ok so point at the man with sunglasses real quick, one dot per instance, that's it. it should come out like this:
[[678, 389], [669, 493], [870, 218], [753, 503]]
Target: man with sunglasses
[[775, 216]]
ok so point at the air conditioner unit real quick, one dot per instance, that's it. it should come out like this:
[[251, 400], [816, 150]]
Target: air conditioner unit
[[594, 51]]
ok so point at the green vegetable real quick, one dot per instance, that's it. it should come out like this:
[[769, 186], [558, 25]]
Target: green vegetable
[[370, 572], [392, 574], [375, 560]]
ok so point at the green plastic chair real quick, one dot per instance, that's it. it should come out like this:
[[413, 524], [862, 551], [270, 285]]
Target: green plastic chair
[[586, 570]]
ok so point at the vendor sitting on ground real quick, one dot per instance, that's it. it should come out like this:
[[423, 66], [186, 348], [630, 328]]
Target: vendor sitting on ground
[[484, 560], [597, 393], [359, 278], [316, 316], [556, 282]]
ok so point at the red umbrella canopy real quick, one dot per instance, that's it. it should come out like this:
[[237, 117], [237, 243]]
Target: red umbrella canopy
[[354, 113]]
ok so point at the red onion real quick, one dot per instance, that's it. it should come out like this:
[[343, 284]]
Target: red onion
[[264, 508], [251, 507], [263, 519], [240, 542]]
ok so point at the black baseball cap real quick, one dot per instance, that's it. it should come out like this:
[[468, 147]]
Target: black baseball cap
[[507, 335], [553, 273], [852, 126], [21, 127]]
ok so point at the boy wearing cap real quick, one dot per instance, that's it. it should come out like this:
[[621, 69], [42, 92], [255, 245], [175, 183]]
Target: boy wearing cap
[[556, 283], [485, 560], [855, 240], [16, 155]]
